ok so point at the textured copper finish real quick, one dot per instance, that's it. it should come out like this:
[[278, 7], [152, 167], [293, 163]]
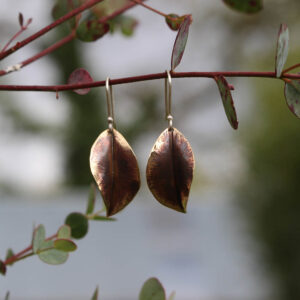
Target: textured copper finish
[[170, 169], [115, 169]]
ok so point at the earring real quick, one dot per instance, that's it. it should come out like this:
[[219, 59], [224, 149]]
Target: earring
[[114, 165], [171, 163]]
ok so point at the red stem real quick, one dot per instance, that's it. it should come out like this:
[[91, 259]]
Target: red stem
[[68, 87], [291, 68], [150, 8], [24, 252], [67, 39], [59, 21]]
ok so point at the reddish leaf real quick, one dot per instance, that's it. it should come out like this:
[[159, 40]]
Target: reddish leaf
[[115, 169], [170, 170], [91, 30], [180, 42], [174, 21], [292, 96], [282, 49], [80, 76], [227, 100], [21, 19]]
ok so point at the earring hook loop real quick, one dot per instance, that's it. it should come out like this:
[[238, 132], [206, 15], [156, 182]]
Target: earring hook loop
[[110, 104], [168, 98]]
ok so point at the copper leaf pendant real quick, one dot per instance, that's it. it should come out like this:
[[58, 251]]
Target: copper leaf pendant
[[170, 169], [115, 169]]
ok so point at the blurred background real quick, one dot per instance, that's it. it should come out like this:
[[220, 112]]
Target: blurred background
[[240, 238]]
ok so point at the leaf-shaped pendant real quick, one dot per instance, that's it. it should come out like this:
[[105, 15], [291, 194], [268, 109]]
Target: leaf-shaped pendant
[[115, 169], [170, 169]]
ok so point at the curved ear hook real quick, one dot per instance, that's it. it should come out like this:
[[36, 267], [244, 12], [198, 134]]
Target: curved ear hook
[[110, 105], [168, 99]]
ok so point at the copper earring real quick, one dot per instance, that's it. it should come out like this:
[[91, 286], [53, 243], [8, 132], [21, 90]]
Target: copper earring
[[114, 165], [171, 163]]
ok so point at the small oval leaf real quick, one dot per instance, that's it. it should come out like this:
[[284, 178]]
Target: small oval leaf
[[52, 256], [282, 49], [180, 42], [64, 232], [245, 6], [174, 21], [292, 96], [80, 76], [152, 290], [170, 170], [79, 224], [39, 236], [115, 169], [62, 7], [65, 245], [227, 100], [91, 30]]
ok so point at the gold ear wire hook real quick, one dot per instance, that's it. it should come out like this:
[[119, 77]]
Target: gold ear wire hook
[[110, 104], [168, 98]]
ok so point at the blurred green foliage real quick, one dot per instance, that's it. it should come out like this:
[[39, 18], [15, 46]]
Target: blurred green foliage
[[271, 189]]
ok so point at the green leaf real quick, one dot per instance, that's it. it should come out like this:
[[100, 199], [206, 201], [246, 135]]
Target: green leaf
[[180, 42], [128, 25], [65, 245], [103, 218], [64, 232], [245, 6], [2, 268], [91, 199], [62, 7], [9, 254], [174, 21], [78, 223], [172, 296], [7, 296], [282, 49], [292, 96], [52, 256], [108, 7], [227, 100], [39, 236], [95, 295], [152, 290], [91, 30]]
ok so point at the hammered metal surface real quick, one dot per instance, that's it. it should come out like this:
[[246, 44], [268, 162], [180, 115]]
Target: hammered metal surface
[[170, 169], [115, 169]]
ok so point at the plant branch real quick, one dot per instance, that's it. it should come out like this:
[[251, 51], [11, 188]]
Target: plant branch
[[24, 253], [21, 30], [44, 30], [60, 43], [39, 55], [150, 8], [68, 87], [291, 68]]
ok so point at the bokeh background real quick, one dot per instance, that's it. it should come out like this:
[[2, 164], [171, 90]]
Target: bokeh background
[[240, 238]]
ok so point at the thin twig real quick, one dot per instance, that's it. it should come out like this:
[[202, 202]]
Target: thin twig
[[68, 87], [24, 253], [150, 8], [61, 42], [291, 68], [44, 30]]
